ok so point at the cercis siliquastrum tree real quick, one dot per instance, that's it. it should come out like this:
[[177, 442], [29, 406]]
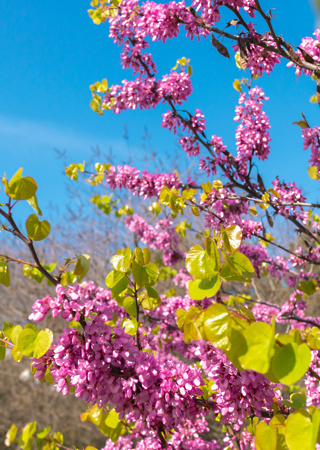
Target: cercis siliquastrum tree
[[154, 366]]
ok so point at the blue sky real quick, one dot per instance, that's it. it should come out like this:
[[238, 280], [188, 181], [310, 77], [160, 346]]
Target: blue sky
[[51, 52]]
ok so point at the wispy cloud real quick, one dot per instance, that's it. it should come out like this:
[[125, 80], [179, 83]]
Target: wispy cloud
[[36, 137]]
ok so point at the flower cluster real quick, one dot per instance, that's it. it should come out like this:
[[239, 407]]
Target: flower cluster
[[103, 365], [186, 437], [252, 136], [311, 46], [311, 138], [195, 123], [236, 393], [143, 184], [312, 381]]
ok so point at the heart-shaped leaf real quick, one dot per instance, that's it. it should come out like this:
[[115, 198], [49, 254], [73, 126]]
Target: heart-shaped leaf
[[37, 231], [21, 188]]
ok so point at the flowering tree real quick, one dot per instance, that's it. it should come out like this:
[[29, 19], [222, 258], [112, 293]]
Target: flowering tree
[[156, 366]]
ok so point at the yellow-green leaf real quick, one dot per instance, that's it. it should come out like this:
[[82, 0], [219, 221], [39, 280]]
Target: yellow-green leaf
[[21, 188], [42, 342], [313, 172], [4, 273], [37, 231], [82, 266]]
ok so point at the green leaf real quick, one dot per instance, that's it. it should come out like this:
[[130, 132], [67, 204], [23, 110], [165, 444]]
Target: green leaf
[[146, 255], [297, 400], [216, 325], [33, 201], [112, 419], [117, 282], [313, 172], [130, 306], [150, 299], [122, 260], [113, 433], [14, 333], [58, 437], [299, 431], [21, 188], [16, 354], [11, 435], [145, 276], [33, 273], [26, 341], [138, 256], [308, 287], [234, 234], [94, 414], [278, 422], [7, 329], [43, 342], [82, 266], [200, 263], [200, 289], [4, 273], [257, 351], [237, 86], [37, 231], [43, 433], [266, 437], [291, 362], [238, 268], [243, 265], [32, 326], [2, 346], [313, 338], [193, 324], [181, 315], [26, 438], [130, 326], [67, 278], [72, 170], [253, 211], [301, 123]]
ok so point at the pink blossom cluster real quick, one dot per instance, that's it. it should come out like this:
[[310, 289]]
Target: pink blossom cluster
[[186, 437], [312, 382], [311, 138], [104, 365], [252, 135], [195, 123], [265, 313], [289, 193], [210, 12], [74, 302], [296, 305], [143, 184], [311, 46], [182, 277], [147, 93], [235, 393], [292, 310], [260, 60], [161, 237], [221, 158], [278, 266], [249, 227]]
